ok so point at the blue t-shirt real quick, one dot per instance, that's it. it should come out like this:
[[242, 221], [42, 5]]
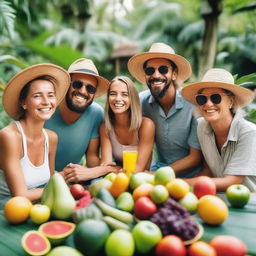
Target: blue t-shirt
[[73, 139], [176, 132]]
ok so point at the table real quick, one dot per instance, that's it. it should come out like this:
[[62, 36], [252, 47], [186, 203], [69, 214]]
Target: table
[[240, 223]]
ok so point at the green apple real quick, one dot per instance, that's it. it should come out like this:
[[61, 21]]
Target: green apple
[[159, 194], [238, 195], [189, 201], [120, 243], [110, 176], [146, 235], [164, 175], [125, 202], [136, 180]]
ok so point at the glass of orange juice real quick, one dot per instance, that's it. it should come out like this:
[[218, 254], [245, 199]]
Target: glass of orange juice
[[129, 160]]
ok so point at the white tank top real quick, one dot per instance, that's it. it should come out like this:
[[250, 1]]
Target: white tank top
[[35, 176]]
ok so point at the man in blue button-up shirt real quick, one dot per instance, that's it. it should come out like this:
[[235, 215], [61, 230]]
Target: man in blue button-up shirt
[[176, 140]]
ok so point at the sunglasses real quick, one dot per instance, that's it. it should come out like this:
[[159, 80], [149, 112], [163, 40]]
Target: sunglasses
[[162, 70], [201, 99], [77, 84]]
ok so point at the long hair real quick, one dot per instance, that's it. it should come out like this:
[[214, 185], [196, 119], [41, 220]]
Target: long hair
[[134, 110]]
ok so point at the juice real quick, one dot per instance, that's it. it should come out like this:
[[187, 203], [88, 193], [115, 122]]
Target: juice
[[129, 161]]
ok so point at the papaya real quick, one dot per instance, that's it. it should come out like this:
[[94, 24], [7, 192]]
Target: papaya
[[35, 243], [105, 196], [57, 231]]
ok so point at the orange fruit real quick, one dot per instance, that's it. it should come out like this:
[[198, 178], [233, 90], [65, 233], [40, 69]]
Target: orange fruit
[[17, 209], [201, 248], [177, 188], [142, 190], [212, 209], [119, 184]]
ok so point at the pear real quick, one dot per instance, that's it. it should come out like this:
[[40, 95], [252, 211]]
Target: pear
[[64, 203], [47, 196]]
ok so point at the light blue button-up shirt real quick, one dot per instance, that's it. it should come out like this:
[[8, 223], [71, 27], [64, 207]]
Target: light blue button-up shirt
[[176, 132]]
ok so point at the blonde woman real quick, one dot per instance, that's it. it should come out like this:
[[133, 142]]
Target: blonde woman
[[27, 158], [227, 139], [124, 126]]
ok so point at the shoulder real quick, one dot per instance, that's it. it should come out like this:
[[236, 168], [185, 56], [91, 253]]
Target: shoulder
[[95, 107], [147, 122], [144, 95], [10, 136], [53, 137]]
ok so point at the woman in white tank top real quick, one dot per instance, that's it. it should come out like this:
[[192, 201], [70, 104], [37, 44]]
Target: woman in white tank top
[[27, 156], [124, 126]]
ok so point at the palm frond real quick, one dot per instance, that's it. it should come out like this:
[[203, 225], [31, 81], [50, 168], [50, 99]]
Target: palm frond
[[7, 18]]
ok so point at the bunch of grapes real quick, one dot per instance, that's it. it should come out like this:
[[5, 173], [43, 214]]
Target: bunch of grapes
[[174, 219]]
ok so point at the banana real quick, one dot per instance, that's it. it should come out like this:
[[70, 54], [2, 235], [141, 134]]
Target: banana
[[120, 215], [114, 223]]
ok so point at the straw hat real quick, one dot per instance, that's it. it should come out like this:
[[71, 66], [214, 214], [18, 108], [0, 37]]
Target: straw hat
[[159, 50], [86, 66], [13, 88], [218, 78]]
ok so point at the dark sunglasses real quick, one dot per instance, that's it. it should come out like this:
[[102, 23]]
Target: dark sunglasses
[[201, 99], [77, 84], [162, 70]]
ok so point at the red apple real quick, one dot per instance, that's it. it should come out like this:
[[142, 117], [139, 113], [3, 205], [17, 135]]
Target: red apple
[[77, 191], [204, 186], [170, 245], [144, 207], [228, 245]]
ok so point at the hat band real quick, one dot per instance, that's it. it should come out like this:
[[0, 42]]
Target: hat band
[[85, 71]]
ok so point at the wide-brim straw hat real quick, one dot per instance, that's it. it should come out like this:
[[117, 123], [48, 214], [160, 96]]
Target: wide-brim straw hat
[[159, 50], [11, 95], [86, 66], [218, 78]]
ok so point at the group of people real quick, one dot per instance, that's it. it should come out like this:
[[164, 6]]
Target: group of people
[[56, 122]]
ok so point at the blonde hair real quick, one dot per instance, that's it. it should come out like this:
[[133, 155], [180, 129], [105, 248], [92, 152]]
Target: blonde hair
[[135, 107]]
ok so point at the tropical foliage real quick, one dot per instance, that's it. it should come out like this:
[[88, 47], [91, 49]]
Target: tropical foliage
[[209, 33]]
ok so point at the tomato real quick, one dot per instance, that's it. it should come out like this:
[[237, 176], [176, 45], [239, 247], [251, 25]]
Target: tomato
[[170, 245], [77, 191], [144, 207]]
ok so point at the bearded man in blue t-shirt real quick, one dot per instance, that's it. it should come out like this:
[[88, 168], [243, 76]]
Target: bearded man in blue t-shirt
[[77, 121]]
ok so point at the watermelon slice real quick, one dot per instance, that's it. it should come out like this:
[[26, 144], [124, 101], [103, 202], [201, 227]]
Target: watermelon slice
[[57, 231], [35, 243]]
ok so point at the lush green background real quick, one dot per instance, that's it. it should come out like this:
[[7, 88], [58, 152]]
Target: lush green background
[[219, 33]]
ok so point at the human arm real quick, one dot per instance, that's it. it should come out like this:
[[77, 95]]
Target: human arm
[[53, 141], [146, 143], [77, 173], [192, 160], [92, 153], [222, 183], [106, 147], [11, 153]]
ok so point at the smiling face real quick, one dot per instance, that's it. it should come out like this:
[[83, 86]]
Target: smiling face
[[78, 99], [40, 101], [216, 112], [160, 80], [118, 97]]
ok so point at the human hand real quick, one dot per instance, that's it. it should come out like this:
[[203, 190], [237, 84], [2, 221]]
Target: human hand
[[108, 164], [74, 173]]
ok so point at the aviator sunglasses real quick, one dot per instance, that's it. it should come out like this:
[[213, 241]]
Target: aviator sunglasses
[[162, 70], [77, 84], [201, 99]]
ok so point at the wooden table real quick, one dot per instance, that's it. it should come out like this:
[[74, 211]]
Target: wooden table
[[240, 223]]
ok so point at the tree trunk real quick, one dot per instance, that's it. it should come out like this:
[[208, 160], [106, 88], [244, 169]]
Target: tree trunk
[[210, 12]]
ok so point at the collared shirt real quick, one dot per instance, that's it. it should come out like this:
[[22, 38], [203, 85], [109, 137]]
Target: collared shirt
[[237, 155], [73, 139], [175, 132]]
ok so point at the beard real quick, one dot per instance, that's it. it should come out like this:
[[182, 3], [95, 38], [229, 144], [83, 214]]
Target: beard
[[157, 92], [74, 107]]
